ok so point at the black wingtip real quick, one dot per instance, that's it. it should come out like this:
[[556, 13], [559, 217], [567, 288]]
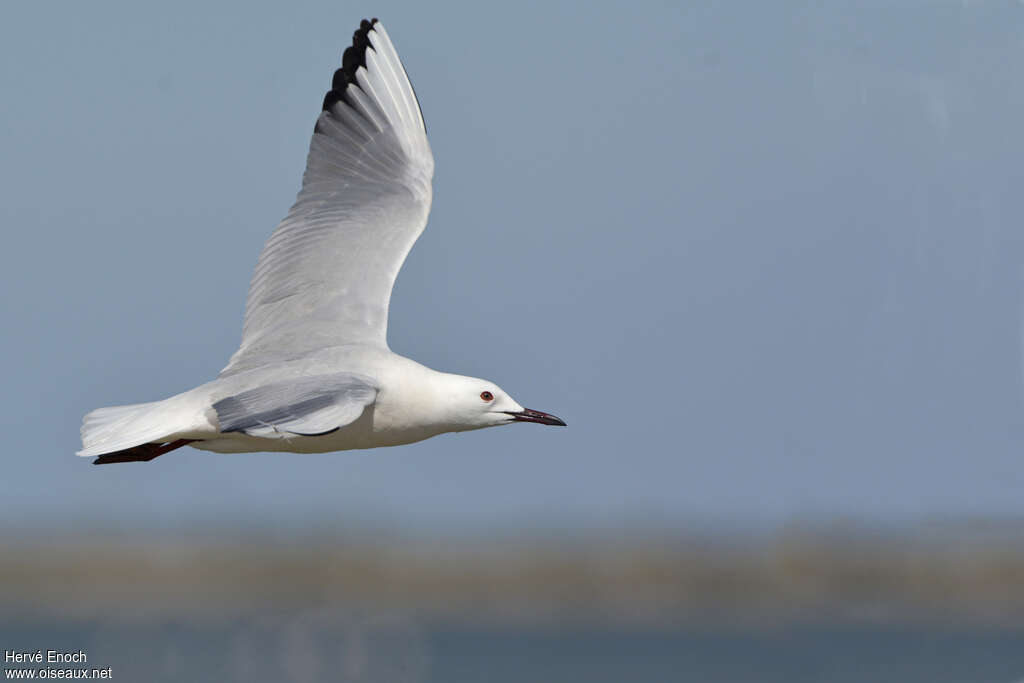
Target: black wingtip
[[353, 58]]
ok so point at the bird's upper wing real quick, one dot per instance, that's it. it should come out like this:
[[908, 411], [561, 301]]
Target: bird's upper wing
[[325, 275]]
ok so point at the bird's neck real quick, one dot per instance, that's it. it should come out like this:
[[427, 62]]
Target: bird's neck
[[415, 397]]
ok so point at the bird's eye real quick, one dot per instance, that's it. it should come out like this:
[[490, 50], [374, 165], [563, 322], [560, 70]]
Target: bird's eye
[[487, 396]]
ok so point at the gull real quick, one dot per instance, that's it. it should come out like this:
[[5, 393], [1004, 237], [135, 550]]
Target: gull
[[314, 373]]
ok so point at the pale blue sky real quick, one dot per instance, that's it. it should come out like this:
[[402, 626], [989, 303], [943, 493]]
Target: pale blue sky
[[764, 258]]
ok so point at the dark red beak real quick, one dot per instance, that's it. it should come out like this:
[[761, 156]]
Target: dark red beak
[[527, 415]]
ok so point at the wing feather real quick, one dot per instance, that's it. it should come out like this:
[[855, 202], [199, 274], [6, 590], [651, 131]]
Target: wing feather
[[387, 52], [308, 406], [325, 276]]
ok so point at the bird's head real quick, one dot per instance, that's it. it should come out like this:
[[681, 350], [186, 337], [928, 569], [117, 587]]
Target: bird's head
[[473, 403]]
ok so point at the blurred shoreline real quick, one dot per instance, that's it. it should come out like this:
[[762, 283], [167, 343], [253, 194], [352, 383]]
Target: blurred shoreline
[[952, 574]]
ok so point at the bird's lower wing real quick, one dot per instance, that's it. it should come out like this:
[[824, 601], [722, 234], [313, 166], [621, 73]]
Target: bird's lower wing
[[308, 406]]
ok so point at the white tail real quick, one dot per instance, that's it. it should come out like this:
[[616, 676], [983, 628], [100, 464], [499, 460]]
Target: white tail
[[108, 430]]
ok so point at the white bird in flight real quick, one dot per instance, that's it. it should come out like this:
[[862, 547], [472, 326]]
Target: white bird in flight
[[314, 372]]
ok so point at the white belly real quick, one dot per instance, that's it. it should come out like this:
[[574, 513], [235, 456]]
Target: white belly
[[363, 433]]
